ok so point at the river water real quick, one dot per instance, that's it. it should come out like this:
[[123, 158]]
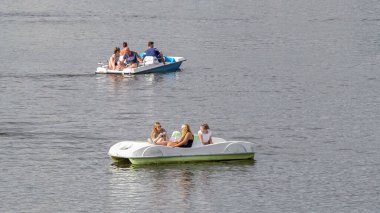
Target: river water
[[300, 79]]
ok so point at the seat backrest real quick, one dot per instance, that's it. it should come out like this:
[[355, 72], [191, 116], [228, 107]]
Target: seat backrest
[[169, 59], [196, 137], [197, 142], [150, 60], [175, 136]]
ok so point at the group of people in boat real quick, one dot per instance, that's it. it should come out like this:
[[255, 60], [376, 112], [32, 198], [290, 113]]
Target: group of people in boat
[[126, 58], [158, 136]]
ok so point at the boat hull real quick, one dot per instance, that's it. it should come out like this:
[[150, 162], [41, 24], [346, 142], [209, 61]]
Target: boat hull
[[136, 152], [197, 158], [172, 67], [147, 69]]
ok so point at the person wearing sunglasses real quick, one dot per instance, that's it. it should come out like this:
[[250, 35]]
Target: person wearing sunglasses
[[158, 134]]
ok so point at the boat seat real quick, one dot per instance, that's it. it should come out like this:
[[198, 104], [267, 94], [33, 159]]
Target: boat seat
[[149, 140], [169, 59], [148, 60], [175, 135], [197, 142]]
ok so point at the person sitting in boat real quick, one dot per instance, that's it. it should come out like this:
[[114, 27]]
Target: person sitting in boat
[[131, 59], [158, 134], [123, 51], [205, 134], [186, 140], [151, 51], [113, 61]]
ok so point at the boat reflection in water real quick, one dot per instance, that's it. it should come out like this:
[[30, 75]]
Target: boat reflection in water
[[170, 186]]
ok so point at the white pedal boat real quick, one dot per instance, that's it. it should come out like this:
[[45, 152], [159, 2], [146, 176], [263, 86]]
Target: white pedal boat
[[140, 152], [149, 65]]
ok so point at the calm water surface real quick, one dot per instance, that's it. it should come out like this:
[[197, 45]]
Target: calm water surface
[[299, 79]]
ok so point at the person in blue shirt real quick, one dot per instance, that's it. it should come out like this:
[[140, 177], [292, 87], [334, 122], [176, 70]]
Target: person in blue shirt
[[131, 59], [151, 51]]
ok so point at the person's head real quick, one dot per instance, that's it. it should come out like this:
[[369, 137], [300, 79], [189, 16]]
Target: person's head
[[157, 126], [156, 129], [127, 50], [125, 44], [185, 128], [150, 44], [204, 127], [116, 50]]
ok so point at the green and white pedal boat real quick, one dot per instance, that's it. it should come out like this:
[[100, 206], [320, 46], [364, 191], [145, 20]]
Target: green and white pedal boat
[[140, 152]]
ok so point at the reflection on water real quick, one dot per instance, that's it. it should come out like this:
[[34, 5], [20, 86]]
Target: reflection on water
[[118, 78], [159, 77], [138, 186], [185, 183], [117, 82]]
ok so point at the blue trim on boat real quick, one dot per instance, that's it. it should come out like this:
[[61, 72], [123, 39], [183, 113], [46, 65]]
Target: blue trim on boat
[[170, 67]]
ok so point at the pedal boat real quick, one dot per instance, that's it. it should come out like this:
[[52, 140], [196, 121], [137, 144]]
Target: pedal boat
[[140, 152], [149, 65]]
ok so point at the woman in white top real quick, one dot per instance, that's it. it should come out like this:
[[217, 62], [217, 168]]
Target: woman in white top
[[205, 134]]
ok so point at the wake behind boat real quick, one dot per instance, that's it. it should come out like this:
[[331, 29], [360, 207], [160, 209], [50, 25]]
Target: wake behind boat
[[149, 65]]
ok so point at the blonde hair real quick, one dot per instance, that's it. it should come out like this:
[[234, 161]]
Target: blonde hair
[[155, 132], [185, 130]]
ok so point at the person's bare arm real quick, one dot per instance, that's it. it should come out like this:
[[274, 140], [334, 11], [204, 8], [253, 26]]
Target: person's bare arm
[[139, 59], [201, 139], [111, 63], [162, 57], [184, 141], [156, 139]]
